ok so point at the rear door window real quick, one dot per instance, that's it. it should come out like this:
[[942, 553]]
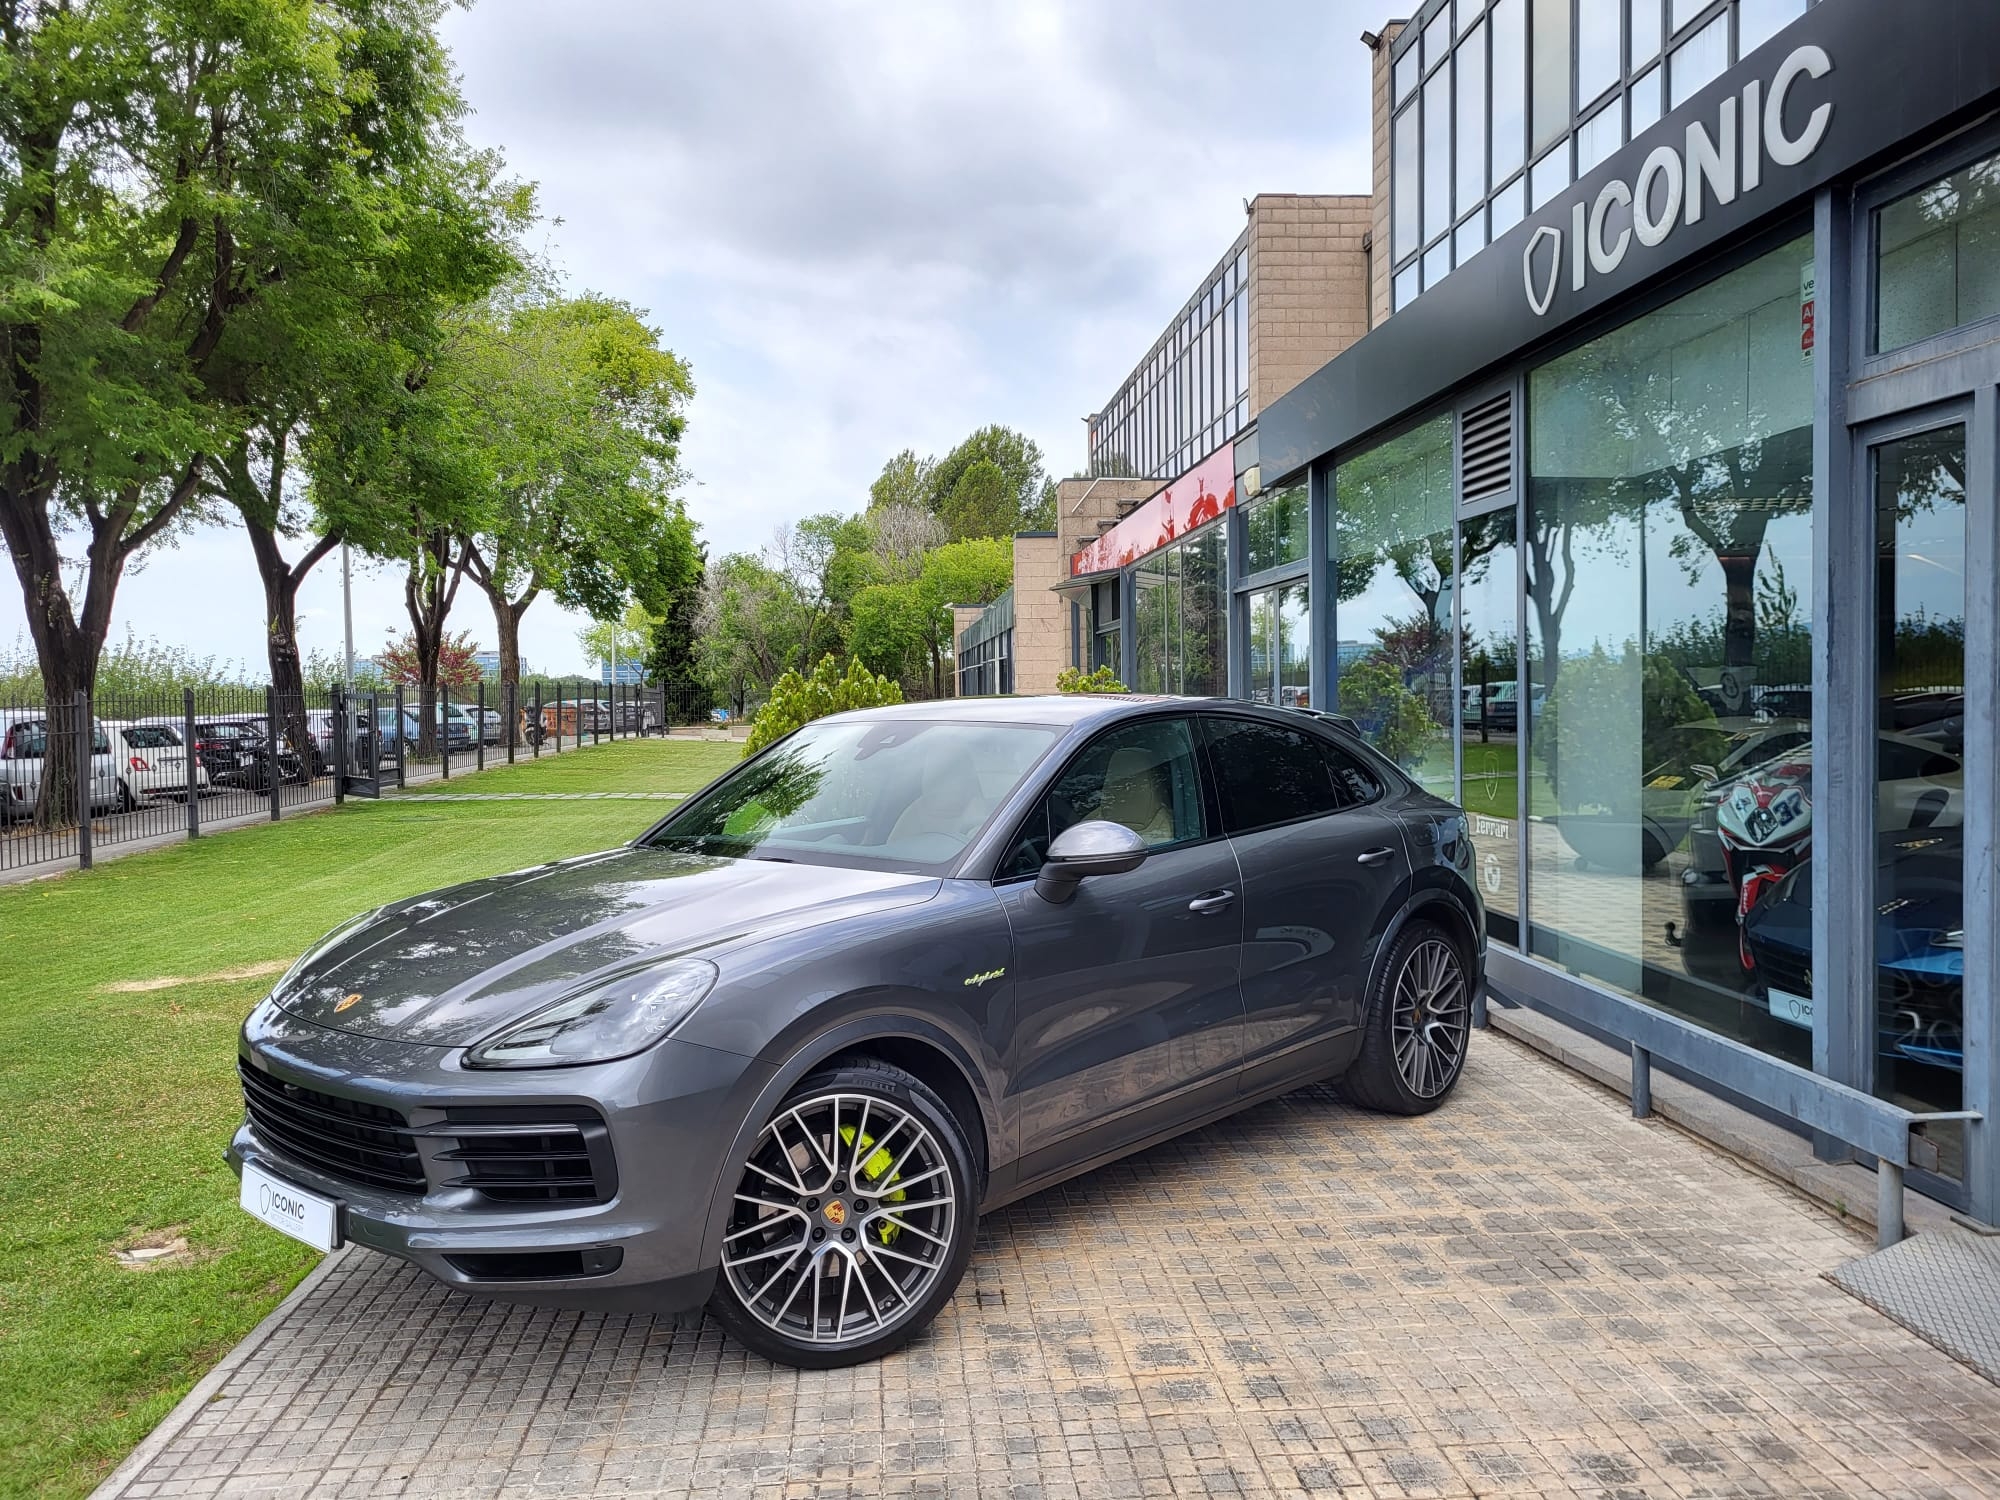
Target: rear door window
[[1269, 774]]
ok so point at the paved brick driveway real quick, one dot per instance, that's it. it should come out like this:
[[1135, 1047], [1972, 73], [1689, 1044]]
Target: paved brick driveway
[[1528, 1293]]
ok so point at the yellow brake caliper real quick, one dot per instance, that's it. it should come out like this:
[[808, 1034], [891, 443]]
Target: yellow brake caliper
[[874, 1169]]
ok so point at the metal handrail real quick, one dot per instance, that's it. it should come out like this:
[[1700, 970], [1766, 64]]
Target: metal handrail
[[1861, 1120]]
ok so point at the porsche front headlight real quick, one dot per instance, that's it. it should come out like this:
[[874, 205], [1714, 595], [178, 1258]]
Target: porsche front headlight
[[609, 1019]]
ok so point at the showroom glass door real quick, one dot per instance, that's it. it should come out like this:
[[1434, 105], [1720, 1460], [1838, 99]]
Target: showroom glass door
[[1918, 487]]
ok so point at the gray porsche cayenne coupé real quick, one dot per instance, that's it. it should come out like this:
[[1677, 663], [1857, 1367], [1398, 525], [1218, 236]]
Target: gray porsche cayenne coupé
[[908, 964]]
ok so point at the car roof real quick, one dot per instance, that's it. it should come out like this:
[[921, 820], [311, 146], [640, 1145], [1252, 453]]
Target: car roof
[[1060, 709]]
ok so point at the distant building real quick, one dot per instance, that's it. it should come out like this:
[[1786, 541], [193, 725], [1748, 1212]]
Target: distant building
[[631, 670]]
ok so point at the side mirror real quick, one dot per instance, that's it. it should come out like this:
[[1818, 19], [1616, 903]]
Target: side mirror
[[1085, 849]]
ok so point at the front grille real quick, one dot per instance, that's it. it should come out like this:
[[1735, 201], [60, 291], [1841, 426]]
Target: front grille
[[531, 1156], [1784, 970], [344, 1138]]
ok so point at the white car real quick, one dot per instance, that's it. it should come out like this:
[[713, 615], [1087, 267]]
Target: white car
[[151, 762], [24, 740]]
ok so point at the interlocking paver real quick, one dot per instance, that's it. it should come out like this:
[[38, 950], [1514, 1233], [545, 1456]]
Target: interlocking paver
[[1527, 1293]]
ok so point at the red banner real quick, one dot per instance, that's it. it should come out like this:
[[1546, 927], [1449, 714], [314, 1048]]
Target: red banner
[[1197, 497]]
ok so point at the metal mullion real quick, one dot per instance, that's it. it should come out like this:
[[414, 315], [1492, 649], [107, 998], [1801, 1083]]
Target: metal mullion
[[1321, 680], [1524, 685], [1981, 915], [1843, 592]]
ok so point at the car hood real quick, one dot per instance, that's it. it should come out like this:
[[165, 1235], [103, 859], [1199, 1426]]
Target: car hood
[[447, 968]]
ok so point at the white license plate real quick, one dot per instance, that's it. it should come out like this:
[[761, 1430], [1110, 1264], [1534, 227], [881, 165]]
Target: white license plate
[[1794, 1010], [290, 1210]]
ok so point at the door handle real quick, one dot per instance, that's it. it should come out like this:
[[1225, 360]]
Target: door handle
[[1212, 902], [1373, 857]]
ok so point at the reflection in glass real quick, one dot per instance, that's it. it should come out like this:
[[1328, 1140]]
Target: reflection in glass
[[1274, 530], [1938, 256], [1471, 66], [1408, 69], [1668, 552], [1645, 102], [1551, 64], [898, 793], [1757, 21], [1920, 778], [1178, 623], [1645, 31], [1488, 717], [1392, 554], [1598, 63], [1437, 153], [1469, 239], [1550, 175], [1598, 137], [1437, 262], [1509, 207], [1281, 646], [1405, 287], [1698, 61], [1510, 69]]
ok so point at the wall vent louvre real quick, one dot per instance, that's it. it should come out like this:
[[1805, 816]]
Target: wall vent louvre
[[1486, 449]]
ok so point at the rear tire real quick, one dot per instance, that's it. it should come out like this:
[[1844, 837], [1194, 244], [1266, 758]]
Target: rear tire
[[1419, 1020], [853, 1219]]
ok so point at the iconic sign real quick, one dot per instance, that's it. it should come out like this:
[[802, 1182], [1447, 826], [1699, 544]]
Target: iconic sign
[[1676, 183]]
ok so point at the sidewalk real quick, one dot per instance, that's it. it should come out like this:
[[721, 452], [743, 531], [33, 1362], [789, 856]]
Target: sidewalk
[[1526, 1293]]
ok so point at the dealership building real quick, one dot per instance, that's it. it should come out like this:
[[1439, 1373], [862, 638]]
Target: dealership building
[[1646, 507]]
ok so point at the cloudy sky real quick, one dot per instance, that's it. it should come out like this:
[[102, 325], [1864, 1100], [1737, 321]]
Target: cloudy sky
[[868, 226]]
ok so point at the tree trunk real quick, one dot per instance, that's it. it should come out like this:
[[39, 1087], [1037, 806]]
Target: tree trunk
[[281, 631], [428, 592], [506, 619]]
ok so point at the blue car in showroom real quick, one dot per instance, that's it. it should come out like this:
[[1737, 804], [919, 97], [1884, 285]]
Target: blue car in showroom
[[1919, 946]]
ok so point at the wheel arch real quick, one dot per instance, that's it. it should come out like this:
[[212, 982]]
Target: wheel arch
[[1435, 904]]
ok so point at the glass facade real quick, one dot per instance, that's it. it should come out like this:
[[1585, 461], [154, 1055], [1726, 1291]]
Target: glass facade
[[1281, 645], [1191, 393], [1920, 518], [1489, 712], [1561, 84], [1668, 558], [1392, 555], [1938, 256], [1274, 531], [1180, 617]]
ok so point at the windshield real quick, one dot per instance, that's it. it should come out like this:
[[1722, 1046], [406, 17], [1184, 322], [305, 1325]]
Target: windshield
[[900, 794]]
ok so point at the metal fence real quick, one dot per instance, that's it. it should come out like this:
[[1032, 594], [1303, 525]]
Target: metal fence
[[169, 764]]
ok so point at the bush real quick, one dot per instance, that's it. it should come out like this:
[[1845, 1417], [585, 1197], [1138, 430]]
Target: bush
[[1393, 718], [1103, 680], [797, 700]]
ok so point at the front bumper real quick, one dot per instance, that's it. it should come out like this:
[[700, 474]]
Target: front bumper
[[669, 1116]]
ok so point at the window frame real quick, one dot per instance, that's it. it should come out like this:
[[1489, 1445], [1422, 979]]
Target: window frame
[[1870, 198]]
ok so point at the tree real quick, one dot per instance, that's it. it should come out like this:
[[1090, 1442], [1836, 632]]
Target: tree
[[748, 628], [583, 411], [796, 699], [819, 559], [168, 169], [1021, 497], [673, 655], [904, 629], [905, 481], [626, 639], [402, 662]]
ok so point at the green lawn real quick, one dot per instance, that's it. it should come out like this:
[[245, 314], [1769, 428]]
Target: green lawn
[[118, 1101], [623, 766]]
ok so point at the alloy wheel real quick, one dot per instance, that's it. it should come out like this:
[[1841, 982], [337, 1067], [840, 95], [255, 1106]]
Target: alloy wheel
[[1430, 1018], [844, 1219]]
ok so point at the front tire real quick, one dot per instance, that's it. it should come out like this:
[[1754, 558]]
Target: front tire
[[1419, 1020], [852, 1222]]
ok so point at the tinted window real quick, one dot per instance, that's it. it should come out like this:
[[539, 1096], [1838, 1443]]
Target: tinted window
[[150, 737], [1141, 775], [1270, 774]]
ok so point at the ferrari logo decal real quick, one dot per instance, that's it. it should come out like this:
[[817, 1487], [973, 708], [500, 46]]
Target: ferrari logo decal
[[346, 1002]]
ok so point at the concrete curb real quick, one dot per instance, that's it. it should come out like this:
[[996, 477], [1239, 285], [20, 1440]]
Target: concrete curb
[[206, 1389]]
